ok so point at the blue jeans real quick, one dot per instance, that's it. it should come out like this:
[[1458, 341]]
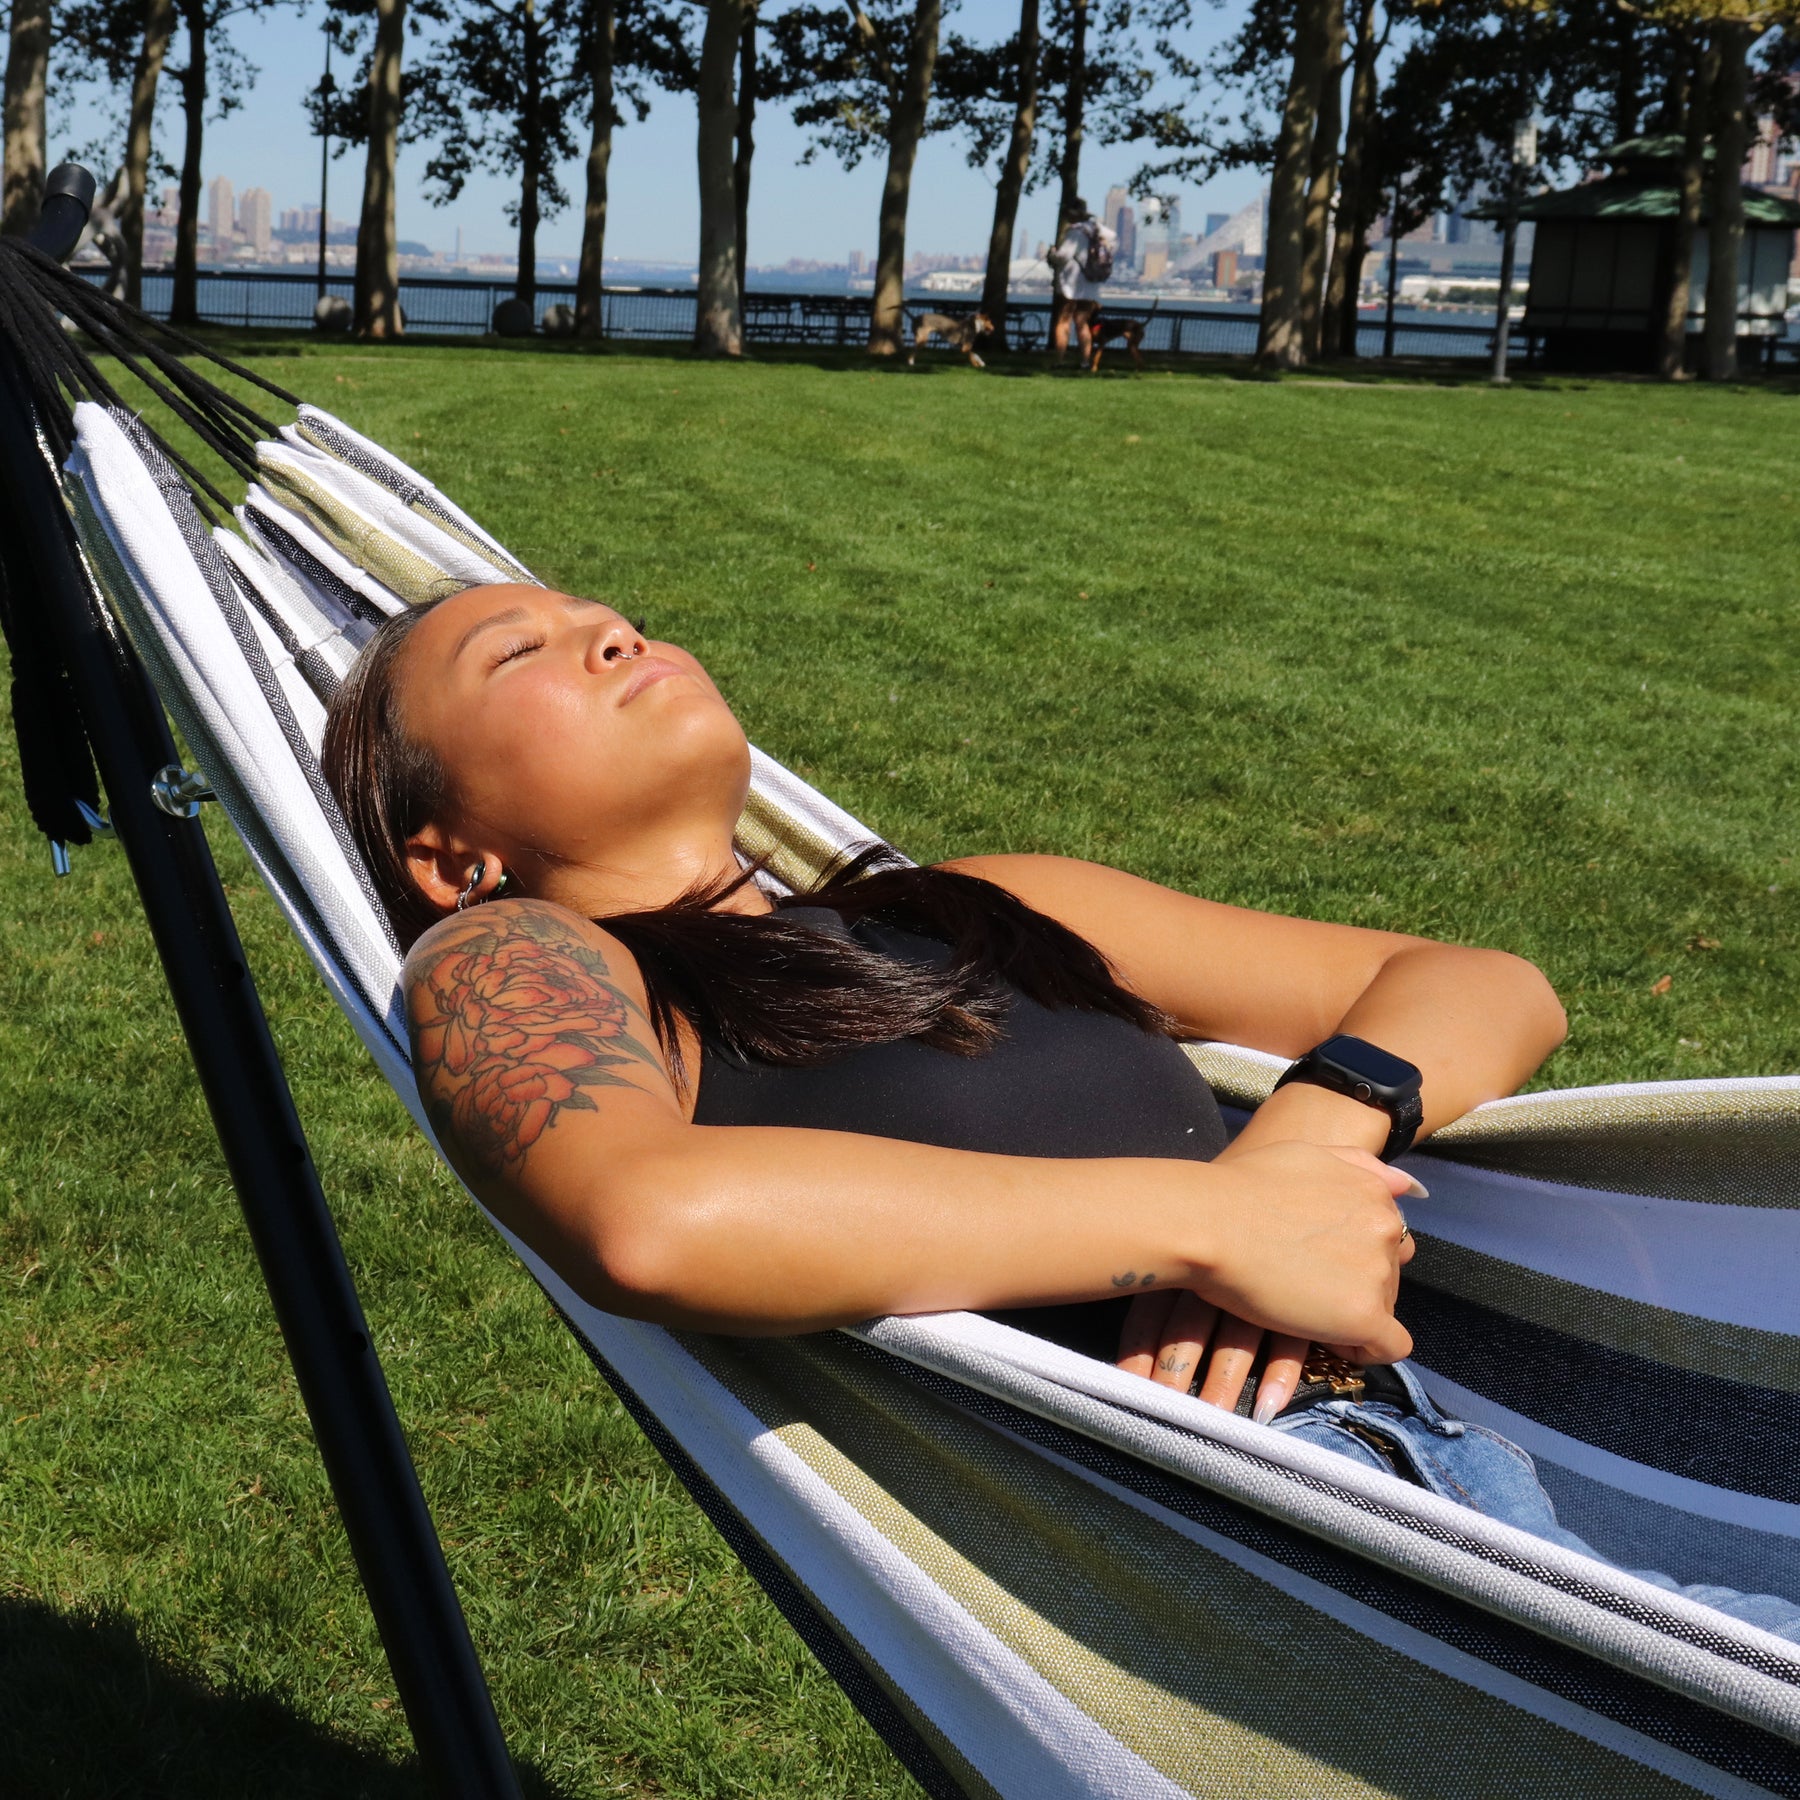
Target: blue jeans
[[1479, 1469]]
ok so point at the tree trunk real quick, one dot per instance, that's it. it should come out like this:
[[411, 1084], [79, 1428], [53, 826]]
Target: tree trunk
[[906, 125], [26, 154], [718, 324], [377, 238], [1337, 335], [1323, 183], [1699, 81], [1345, 315], [1013, 171], [1074, 116], [184, 306], [590, 316], [746, 144], [1725, 235], [159, 22], [1628, 88], [531, 160], [1281, 343]]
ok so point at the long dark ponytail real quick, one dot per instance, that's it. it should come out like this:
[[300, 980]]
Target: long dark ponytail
[[777, 989], [764, 986]]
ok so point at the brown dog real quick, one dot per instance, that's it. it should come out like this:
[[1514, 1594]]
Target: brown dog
[[958, 334], [1130, 332]]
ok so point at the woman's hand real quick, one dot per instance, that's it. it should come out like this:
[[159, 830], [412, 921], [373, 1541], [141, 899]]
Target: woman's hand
[[1166, 1336], [1313, 1254]]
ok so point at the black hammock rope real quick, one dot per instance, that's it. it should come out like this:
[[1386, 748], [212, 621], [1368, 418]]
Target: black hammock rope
[[37, 292], [55, 330]]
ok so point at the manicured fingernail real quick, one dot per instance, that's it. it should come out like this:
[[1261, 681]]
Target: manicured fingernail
[[1267, 1406], [1416, 1189]]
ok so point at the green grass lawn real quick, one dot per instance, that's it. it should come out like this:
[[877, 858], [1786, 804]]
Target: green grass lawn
[[1515, 667]]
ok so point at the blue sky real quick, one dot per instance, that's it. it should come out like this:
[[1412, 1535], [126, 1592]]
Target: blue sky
[[819, 211]]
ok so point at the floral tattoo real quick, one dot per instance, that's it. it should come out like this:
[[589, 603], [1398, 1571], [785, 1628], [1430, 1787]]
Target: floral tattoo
[[512, 1016]]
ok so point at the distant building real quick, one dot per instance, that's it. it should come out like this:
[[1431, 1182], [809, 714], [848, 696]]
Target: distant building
[[1763, 169], [1128, 237], [221, 216], [1024, 244], [1157, 237], [951, 281], [255, 219], [1117, 199], [1241, 231], [300, 219], [1600, 265], [859, 262], [1215, 222], [1224, 267]]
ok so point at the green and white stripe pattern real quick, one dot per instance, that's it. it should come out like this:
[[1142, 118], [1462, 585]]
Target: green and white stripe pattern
[[1038, 1576]]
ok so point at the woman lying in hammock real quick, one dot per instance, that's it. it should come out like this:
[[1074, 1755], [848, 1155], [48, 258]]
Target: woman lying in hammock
[[912, 1090], [689, 1099]]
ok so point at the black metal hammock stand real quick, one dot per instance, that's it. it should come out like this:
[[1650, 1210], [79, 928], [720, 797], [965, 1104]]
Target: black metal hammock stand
[[81, 702]]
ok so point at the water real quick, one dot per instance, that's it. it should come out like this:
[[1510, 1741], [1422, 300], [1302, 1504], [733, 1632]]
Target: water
[[781, 309]]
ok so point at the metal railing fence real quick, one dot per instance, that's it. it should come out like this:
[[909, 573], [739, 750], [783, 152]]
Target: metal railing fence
[[464, 306]]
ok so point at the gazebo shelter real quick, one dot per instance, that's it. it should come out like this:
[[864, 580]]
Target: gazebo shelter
[[1602, 263]]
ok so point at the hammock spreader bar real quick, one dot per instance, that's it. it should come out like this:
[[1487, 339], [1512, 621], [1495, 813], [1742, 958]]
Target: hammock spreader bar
[[436, 1673]]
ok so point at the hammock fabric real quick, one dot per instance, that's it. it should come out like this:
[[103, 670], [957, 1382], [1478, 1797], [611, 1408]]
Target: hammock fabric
[[1039, 1577]]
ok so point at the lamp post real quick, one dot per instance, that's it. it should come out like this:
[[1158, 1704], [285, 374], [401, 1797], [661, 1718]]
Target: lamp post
[[1524, 160], [1393, 277], [326, 89]]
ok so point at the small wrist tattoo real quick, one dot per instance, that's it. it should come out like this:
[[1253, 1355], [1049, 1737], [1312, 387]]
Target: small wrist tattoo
[[1132, 1279]]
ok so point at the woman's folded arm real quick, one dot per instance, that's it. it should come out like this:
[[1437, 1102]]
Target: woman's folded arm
[[550, 1093], [1475, 1022]]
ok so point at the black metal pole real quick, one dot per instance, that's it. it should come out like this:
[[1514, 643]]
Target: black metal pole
[[325, 93], [1387, 333], [1503, 312], [434, 1665]]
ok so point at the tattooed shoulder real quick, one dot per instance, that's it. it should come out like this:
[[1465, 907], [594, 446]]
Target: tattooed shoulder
[[514, 1013]]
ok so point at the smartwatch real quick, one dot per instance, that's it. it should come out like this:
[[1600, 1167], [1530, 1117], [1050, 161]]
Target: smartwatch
[[1348, 1065]]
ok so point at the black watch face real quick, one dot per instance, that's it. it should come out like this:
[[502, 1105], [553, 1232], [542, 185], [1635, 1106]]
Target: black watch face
[[1365, 1064]]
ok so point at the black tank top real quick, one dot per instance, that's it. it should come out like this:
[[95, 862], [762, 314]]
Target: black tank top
[[1059, 1083]]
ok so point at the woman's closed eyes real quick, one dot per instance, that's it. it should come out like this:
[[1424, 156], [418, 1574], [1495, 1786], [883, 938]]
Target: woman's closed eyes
[[512, 651]]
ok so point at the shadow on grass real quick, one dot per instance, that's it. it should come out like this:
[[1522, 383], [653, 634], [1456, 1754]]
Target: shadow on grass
[[89, 1712]]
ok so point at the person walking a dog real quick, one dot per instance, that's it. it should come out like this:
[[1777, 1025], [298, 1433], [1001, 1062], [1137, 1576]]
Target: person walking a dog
[[1080, 262]]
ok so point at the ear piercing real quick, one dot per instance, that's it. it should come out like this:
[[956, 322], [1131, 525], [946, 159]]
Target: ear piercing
[[467, 896]]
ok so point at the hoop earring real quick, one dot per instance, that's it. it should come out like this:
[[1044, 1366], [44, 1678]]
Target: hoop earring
[[475, 877]]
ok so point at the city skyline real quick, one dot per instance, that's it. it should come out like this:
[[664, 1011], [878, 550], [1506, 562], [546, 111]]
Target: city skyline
[[1221, 259]]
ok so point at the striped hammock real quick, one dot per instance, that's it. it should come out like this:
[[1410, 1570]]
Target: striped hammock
[[1039, 1577]]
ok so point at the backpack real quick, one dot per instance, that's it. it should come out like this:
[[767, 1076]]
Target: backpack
[[1097, 260]]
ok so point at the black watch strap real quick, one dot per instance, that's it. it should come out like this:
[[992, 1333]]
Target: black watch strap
[[1404, 1120]]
